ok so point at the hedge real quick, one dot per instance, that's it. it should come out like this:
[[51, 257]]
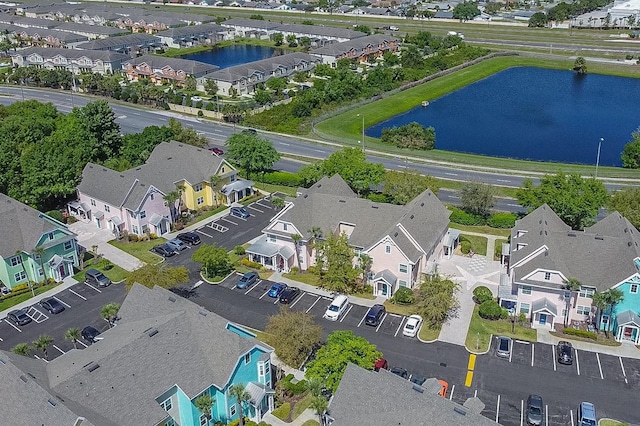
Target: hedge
[[491, 310], [465, 246], [403, 296], [581, 333], [282, 178], [482, 294], [463, 218], [283, 411], [502, 220]]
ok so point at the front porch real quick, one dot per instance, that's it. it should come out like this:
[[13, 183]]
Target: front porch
[[80, 211], [628, 327], [61, 267], [161, 225], [272, 256], [236, 191], [384, 284], [260, 401], [544, 313]]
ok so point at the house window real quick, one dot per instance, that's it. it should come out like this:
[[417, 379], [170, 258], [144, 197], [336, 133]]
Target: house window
[[151, 196], [203, 420], [524, 308], [134, 229], [16, 260], [526, 289], [143, 214], [403, 268], [285, 226], [200, 201], [547, 276], [586, 291], [605, 321], [402, 283], [634, 289], [93, 202], [232, 178], [19, 276], [170, 422], [68, 245], [583, 310], [247, 358], [222, 170], [260, 369], [271, 238], [166, 405], [145, 228], [50, 236], [387, 249], [232, 410], [197, 187], [107, 208], [41, 272]]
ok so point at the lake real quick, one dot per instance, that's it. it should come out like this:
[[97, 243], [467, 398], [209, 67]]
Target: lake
[[533, 114], [236, 54]]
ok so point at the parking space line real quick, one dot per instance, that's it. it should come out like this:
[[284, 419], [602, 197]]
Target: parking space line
[[577, 361], [1, 339], [498, 409], [533, 350], [546, 415], [571, 413], [264, 294], [82, 343], [472, 362], [379, 325], [297, 300], [92, 287], [511, 351], [599, 365], [475, 393], [521, 412], [36, 315], [346, 313], [262, 205], [253, 208], [453, 387], [314, 304], [251, 288], [61, 351], [68, 306], [79, 295], [399, 327], [204, 233], [365, 315], [553, 356], [227, 220], [11, 324], [624, 373]]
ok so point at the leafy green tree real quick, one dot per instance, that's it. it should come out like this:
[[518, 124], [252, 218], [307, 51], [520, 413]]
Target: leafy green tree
[[413, 136], [293, 334], [110, 312], [292, 40], [351, 164], [538, 20], [210, 87], [251, 152], [73, 334], [242, 397], [574, 199], [161, 275], [100, 121], [118, 164], [204, 403], [411, 57], [477, 198], [436, 300], [278, 39], [214, 260], [363, 29], [278, 203], [329, 5], [400, 187], [466, 11], [262, 97], [319, 404], [631, 152], [189, 84], [137, 147], [613, 296], [186, 134], [580, 65], [342, 347], [21, 349], [43, 344], [626, 201], [334, 258], [310, 173], [277, 84]]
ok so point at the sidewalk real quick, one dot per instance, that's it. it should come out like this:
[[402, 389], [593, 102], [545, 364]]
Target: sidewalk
[[626, 349], [89, 235], [66, 283]]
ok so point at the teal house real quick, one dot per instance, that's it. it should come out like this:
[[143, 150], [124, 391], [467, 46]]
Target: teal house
[[164, 353], [626, 318], [34, 247]]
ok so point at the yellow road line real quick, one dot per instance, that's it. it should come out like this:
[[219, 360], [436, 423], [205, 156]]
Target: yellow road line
[[472, 362], [469, 379]]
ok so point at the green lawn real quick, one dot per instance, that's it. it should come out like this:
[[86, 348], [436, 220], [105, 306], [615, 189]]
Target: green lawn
[[141, 249], [301, 405], [115, 273], [610, 422], [429, 334], [399, 309], [480, 331], [304, 277], [481, 229], [478, 244], [497, 251], [311, 422], [204, 215], [7, 302]]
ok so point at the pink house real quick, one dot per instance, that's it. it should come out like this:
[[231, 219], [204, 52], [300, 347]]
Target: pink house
[[404, 242]]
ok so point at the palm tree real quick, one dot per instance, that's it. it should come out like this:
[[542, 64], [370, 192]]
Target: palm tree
[[296, 241], [314, 386], [43, 343], [203, 403], [613, 296], [599, 300], [242, 396], [21, 349], [73, 334], [110, 312], [365, 264], [39, 252], [171, 199], [215, 181], [573, 285], [277, 202], [580, 65], [319, 404]]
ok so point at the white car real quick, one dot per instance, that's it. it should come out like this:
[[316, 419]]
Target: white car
[[196, 98], [412, 326]]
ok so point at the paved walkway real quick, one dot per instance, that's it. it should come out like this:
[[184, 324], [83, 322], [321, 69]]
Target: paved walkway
[[89, 235]]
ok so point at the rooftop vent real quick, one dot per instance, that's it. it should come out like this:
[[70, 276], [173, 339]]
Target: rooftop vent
[[411, 217], [305, 195], [540, 232], [172, 299], [23, 378], [540, 222], [52, 402], [418, 388], [599, 237], [3, 361], [626, 230], [395, 235], [422, 204], [545, 233], [342, 201], [571, 234], [31, 375], [92, 366], [203, 313], [151, 332], [459, 411], [374, 207], [629, 244], [545, 222]]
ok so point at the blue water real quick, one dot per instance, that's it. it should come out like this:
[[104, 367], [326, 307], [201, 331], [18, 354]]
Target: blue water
[[534, 114], [237, 54]]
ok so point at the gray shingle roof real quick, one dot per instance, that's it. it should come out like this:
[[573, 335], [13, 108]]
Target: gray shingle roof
[[120, 42], [50, 52], [355, 44], [27, 22], [265, 66], [394, 402], [21, 226], [63, 36], [194, 68], [192, 31], [250, 23], [90, 29], [320, 31], [600, 256]]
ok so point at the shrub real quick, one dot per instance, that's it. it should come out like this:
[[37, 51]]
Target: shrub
[[312, 270], [153, 236], [133, 238], [200, 113], [376, 197], [403, 296], [295, 270], [465, 246], [239, 250], [249, 264], [482, 294], [57, 215], [491, 310], [283, 411], [502, 220], [581, 333], [283, 178], [464, 218], [105, 264]]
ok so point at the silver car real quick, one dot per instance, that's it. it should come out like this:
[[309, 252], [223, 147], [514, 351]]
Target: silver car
[[176, 245], [504, 347]]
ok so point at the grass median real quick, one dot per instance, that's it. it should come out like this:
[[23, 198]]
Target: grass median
[[10, 301], [141, 249], [481, 330]]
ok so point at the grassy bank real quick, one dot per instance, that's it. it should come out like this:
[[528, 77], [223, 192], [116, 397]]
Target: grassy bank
[[141, 249], [347, 127], [8, 302], [480, 331]]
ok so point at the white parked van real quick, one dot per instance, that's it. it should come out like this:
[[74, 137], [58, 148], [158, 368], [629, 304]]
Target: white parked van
[[337, 308]]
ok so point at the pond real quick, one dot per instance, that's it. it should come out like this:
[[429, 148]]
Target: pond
[[533, 114], [236, 54]]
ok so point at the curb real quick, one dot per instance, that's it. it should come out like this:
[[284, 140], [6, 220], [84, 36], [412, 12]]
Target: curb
[[217, 282], [481, 353]]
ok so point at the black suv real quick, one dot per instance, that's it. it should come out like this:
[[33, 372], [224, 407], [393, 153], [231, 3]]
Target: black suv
[[52, 305], [565, 353], [375, 314], [289, 294], [19, 317], [190, 238], [90, 334]]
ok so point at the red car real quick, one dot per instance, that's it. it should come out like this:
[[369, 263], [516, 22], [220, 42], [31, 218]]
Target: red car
[[381, 364], [216, 150]]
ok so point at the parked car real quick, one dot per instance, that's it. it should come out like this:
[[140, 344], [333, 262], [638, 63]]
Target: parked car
[[239, 212], [381, 364], [216, 150], [565, 353], [52, 305], [90, 334], [399, 371], [247, 279], [417, 379], [250, 131], [276, 289], [176, 245], [196, 98], [586, 415], [164, 250], [95, 277], [19, 317], [412, 326], [535, 410], [289, 295], [337, 307], [190, 238], [444, 387], [504, 347], [375, 315]]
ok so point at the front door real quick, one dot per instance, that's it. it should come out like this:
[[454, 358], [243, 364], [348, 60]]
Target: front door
[[62, 271], [543, 319]]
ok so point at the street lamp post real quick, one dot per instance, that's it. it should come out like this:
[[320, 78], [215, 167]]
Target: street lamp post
[[598, 157], [362, 115]]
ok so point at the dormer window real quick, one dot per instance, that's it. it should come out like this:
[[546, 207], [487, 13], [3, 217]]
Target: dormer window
[[387, 249]]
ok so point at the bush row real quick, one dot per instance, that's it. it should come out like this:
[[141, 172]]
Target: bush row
[[497, 220], [581, 333]]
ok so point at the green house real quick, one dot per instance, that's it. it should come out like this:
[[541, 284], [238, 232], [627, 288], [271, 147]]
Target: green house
[[34, 246]]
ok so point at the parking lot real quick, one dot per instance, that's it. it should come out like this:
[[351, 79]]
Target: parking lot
[[590, 364], [82, 303]]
